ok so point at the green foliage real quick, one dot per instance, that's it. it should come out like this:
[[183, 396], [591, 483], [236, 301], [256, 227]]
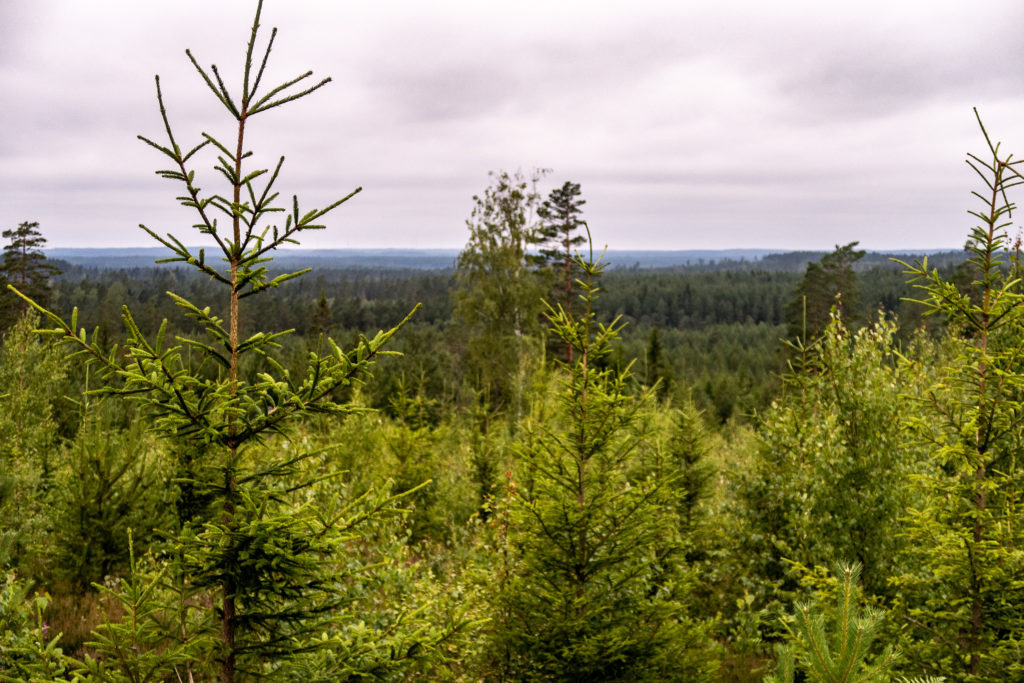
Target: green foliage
[[498, 289], [28, 654], [693, 300], [30, 373], [961, 589], [24, 266], [833, 644], [828, 484], [657, 372], [234, 509], [561, 223], [719, 331], [398, 621], [830, 282], [153, 641], [247, 546], [111, 482], [590, 585], [685, 462]]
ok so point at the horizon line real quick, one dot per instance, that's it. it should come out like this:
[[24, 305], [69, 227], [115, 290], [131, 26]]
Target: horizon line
[[775, 250]]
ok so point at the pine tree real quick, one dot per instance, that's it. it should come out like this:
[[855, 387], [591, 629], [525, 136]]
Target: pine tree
[[833, 643], [561, 222], [830, 282], [559, 234], [25, 266]]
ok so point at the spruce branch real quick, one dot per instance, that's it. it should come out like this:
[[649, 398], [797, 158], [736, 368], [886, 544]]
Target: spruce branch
[[223, 97], [263, 104]]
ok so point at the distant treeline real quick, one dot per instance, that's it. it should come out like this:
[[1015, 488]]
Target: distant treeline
[[718, 330], [361, 299], [444, 259]]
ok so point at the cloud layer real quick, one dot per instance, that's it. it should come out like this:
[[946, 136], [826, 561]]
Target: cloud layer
[[689, 125]]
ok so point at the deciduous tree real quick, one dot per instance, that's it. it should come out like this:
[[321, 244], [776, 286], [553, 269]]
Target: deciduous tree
[[498, 289], [30, 373], [829, 482]]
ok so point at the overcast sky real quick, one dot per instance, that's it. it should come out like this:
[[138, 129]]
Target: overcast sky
[[689, 125]]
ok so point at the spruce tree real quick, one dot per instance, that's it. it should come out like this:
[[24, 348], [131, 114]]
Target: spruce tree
[[249, 562], [685, 460], [592, 587], [657, 372], [111, 483], [961, 591]]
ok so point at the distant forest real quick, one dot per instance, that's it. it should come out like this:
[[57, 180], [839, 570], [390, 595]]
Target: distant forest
[[444, 259], [717, 325]]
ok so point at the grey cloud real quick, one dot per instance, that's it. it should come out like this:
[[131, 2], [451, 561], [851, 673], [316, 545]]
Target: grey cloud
[[448, 93], [876, 68], [20, 22], [686, 123], [863, 85]]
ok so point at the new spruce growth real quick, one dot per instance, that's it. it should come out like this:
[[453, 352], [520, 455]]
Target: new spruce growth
[[832, 644]]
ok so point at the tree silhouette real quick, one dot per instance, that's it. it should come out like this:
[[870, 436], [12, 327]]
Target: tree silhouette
[[831, 281], [561, 220], [25, 267]]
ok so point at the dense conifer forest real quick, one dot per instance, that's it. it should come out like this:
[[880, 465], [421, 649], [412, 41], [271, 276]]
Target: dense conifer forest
[[531, 465]]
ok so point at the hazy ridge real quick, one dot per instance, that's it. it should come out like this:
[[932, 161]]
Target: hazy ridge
[[443, 259]]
